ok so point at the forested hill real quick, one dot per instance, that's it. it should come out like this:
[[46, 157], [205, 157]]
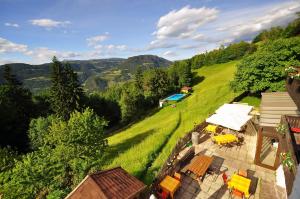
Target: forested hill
[[95, 74]]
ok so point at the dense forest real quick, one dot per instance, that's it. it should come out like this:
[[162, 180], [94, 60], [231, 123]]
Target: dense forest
[[51, 140]]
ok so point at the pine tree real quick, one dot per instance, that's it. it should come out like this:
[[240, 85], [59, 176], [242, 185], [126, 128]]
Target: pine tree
[[187, 75], [9, 78], [66, 92], [16, 109], [138, 79]]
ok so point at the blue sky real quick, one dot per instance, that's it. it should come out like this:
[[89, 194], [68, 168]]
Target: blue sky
[[33, 31]]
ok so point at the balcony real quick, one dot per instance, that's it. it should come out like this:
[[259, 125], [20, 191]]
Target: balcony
[[293, 88]]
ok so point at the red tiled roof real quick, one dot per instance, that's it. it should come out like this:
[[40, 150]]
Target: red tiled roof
[[114, 183], [186, 88]]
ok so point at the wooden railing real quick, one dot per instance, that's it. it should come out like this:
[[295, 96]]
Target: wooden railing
[[293, 88], [171, 164], [288, 145], [293, 121]]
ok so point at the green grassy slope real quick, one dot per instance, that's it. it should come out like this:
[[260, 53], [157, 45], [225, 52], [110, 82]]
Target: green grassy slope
[[251, 100], [149, 142]]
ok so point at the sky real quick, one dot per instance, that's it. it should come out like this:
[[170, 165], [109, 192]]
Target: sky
[[33, 31]]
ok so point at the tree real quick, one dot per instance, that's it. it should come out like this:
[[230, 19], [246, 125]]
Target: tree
[[264, 70], [38, 130], [10, 79], [42, 103], [82, 134], [291, 30], [104, 106], [180, 74], [66, 92], [271, 34], [156, 84], [138, 79], [7, 158], [132, 102], [67, 153], [223, 54], [185, 74], [15, 106]]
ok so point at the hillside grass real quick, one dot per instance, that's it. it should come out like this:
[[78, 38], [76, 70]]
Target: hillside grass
[[252, 101], [142, 148]]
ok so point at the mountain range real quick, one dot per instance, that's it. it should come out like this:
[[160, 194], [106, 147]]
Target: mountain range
[[95, 74]]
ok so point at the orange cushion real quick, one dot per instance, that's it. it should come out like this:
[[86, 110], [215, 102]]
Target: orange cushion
[[295, 130], [237, 193]]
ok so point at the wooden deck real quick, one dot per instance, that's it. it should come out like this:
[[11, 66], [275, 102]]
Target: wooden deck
[[273, 106]]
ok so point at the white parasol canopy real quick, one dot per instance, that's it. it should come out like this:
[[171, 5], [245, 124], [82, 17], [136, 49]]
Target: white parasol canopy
[[233, 116]]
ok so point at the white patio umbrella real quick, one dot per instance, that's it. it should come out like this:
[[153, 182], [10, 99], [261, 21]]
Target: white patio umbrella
[[232, 116]]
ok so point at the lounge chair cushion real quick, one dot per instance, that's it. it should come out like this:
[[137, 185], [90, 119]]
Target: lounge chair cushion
[[295, 130]]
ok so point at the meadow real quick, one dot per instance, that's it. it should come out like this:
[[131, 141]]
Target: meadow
[[142, 148]]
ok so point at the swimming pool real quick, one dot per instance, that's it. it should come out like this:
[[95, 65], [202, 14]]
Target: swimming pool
[[175, 97]]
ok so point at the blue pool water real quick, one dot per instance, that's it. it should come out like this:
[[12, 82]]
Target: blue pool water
[[175, 97]]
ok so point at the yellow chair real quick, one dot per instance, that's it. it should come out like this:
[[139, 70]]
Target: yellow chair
[[211, 129]]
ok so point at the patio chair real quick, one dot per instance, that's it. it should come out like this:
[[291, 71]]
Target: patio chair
[[163, 195], [228, 145], [215, 167], [240, 142], [253, 185], [210, 129], [225, 178]]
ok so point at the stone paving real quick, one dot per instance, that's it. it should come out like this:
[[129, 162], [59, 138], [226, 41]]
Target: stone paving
[[212, 187]]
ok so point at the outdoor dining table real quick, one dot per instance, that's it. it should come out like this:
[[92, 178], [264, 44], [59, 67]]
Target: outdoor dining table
[[224, 139], [240, 183], [170, 185], [200, 165]]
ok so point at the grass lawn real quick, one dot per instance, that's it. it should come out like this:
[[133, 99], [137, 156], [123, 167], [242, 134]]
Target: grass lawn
[[252, 101], [143, 148]]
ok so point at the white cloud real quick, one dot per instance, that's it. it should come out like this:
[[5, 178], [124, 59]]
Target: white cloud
[[49, 23], [37, 55], [189, 46], [257, 20], [155, 44], [105, 51], [44, 55], [92, 41], [100, 50], [110, 47], [169, 54], [184, 23], [8, 61], [181, 25], [15, 25], [190, 28], [7, 46]]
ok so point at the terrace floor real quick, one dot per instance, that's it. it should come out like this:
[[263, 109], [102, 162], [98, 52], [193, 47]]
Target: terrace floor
[[235, 158]]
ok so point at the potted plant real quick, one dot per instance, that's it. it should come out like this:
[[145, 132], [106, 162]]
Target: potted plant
[[287, 160], [281, 129], [297, 76], [290, 70]]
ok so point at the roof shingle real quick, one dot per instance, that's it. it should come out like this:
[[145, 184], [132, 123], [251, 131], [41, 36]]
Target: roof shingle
[[114, 183]]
